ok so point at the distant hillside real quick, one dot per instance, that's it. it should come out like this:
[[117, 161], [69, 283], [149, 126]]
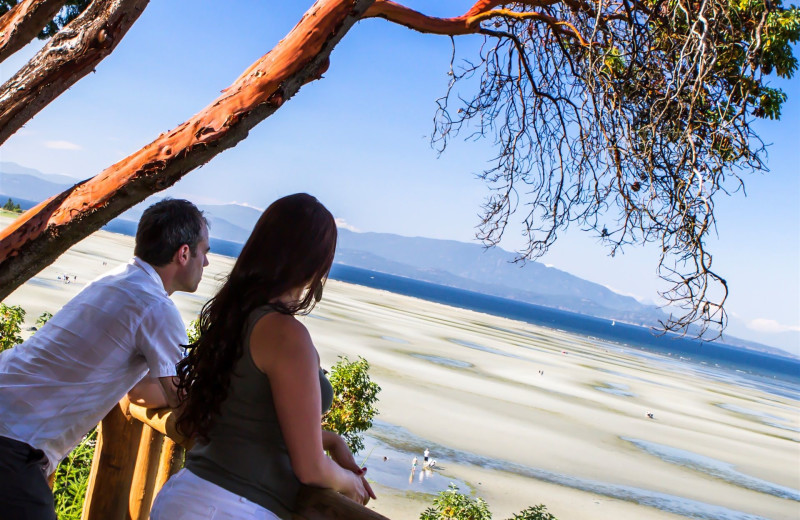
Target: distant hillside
[[28, 187]]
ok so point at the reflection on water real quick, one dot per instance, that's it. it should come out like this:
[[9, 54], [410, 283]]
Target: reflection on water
[[401, 438], [714, 467]]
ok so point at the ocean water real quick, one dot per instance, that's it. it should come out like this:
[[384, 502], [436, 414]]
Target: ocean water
[[754, 366]]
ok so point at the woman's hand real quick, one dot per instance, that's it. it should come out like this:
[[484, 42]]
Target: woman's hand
[[358, 489], [338, 450]]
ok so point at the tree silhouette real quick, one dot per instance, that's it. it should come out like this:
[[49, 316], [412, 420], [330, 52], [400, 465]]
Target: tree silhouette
[[624, 117]]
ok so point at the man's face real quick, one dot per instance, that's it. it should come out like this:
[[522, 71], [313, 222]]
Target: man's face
[[192, 271]]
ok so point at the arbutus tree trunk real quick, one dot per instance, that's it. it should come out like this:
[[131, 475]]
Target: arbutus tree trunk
[[70, 55], [44, 232], [23, 22]]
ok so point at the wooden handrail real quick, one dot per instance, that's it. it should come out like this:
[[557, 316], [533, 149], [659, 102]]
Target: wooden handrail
[[138, 449]]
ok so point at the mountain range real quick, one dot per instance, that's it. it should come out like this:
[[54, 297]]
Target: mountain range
[[456, 264]]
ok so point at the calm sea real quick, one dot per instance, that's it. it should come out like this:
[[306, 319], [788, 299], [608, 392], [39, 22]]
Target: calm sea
[[757, 368]]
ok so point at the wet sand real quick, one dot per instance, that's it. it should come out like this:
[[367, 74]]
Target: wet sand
[[519, 414]]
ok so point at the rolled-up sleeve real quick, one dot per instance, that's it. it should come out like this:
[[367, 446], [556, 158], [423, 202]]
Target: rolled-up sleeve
[[160, 339]]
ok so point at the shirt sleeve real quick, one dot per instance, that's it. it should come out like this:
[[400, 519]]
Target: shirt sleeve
[[160, 339]]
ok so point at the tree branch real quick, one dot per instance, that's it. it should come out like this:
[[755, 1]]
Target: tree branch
[[468, 23], [69, 56], [41, 234], [23, 22]]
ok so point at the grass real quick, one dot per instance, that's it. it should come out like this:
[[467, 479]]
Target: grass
[[6, 213], [72, 478]]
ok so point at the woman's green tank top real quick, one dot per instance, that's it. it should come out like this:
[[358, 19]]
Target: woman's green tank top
[[246, 453]]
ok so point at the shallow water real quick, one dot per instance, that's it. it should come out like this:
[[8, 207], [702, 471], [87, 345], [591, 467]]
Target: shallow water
[[482, 348], [406, 443], [713, 467], [454, 363], [395, 472], [615, 389], [395, 340]]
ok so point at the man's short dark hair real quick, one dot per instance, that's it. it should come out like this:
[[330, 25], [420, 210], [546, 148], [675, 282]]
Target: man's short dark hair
[[165, 227]]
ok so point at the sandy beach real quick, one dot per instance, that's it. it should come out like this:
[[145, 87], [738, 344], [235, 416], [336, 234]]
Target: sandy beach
[[521, 415]]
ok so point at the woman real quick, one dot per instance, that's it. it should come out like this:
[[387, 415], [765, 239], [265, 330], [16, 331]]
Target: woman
[[251, 387]]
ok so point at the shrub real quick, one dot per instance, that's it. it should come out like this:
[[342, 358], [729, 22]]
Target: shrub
[[354, 398], [11, 318], [534, 513], [452, 505]]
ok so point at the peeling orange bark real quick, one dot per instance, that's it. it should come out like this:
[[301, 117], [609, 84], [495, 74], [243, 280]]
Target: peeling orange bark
[[23, 22], [42, 233], [69, 55]]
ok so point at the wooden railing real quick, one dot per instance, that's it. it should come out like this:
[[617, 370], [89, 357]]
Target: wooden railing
[[139, 449]]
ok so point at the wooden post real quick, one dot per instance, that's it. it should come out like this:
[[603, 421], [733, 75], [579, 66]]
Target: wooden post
[[171, 461], [144, 477], [112, 468]]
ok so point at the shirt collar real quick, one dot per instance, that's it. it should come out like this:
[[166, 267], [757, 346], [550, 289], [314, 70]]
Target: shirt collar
[[147, 268]]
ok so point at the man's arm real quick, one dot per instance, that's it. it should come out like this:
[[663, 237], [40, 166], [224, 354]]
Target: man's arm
[[155, 393]]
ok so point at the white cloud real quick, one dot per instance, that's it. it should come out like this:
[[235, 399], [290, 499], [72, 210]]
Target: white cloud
[[770, 326], [62, 145], [340, 222]]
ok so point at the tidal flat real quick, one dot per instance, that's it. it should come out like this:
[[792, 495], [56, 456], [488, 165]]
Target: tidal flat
[[520, 414]]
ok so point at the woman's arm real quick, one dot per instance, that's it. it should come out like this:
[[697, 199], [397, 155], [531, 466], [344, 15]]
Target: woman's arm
[[281, 348]]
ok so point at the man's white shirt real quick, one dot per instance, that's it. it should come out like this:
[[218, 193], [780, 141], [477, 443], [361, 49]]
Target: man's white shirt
[[62, 381]]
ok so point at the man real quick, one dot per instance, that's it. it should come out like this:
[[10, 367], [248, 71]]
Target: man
[[121, 334]]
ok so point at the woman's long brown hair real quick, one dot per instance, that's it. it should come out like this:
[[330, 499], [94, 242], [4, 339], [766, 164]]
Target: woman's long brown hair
[[291, 246]]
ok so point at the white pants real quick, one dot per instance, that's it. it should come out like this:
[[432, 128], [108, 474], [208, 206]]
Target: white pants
[[186, 496]]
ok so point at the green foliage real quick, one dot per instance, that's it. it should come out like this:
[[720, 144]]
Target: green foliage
[[354, 398], [11, 318], [72, 475], [452, 505], [71, 9], [534, 513], [193, 331], [43, 318], [10, 206], [72, 479]]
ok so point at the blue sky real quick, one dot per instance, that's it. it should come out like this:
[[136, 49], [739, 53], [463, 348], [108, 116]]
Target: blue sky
[[359, 140]]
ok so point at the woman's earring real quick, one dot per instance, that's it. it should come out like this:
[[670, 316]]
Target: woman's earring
[[318, 292]]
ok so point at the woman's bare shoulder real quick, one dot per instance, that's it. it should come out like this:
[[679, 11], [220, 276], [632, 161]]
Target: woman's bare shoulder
[[277, 337]]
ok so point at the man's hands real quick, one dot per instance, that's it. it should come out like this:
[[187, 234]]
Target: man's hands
[[341, 455]]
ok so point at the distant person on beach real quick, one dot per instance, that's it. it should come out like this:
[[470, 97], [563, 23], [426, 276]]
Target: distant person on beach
[[251, 388], [425, 455], [122, 334], [414, 464]]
